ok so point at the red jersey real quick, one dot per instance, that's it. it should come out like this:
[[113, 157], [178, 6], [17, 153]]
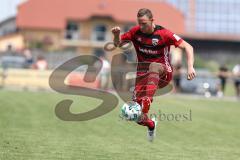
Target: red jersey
[[153, 47]]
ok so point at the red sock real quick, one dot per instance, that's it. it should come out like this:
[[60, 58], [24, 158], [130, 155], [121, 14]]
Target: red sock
[[139, 93], [145, 103], [152, 84], [145, 121]]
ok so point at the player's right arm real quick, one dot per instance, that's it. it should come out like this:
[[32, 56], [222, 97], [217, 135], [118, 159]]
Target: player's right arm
[[128, 36], [116, 35]]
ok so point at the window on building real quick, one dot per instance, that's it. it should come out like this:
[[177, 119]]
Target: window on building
[[72, 30], [100, 33]]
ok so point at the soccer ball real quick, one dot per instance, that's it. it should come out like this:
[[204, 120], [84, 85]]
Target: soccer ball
[[131, 111]]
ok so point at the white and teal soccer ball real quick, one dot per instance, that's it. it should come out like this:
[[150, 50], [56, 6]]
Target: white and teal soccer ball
[[131, 111]]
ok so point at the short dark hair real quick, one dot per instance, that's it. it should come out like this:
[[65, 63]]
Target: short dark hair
[[145, 11]]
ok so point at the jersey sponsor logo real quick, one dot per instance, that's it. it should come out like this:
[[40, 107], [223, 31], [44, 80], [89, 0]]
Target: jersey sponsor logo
[[176, 37], [147, 51], [155, 41]]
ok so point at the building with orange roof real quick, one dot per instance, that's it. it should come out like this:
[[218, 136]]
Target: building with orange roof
[[61, 24]]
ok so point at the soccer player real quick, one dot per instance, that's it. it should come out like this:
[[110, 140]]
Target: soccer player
[[152, 44]]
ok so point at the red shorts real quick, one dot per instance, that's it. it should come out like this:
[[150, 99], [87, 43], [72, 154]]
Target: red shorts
[[141, 82]]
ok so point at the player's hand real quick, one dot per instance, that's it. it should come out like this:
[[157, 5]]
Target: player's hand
[[191, 73], [116, 31]]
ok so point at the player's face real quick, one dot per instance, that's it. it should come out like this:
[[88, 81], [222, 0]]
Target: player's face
[[145, 24]]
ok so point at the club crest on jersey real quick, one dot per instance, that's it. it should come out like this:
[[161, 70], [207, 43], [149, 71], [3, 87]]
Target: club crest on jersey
[[155, 41], [139, 39]]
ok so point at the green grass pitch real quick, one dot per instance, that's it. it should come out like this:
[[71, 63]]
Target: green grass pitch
[[29, 130]]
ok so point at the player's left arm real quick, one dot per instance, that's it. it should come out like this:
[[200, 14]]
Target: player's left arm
[[190, 59], [173, 39]]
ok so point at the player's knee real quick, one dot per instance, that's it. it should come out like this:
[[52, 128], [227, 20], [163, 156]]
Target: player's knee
[[156, 67]]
